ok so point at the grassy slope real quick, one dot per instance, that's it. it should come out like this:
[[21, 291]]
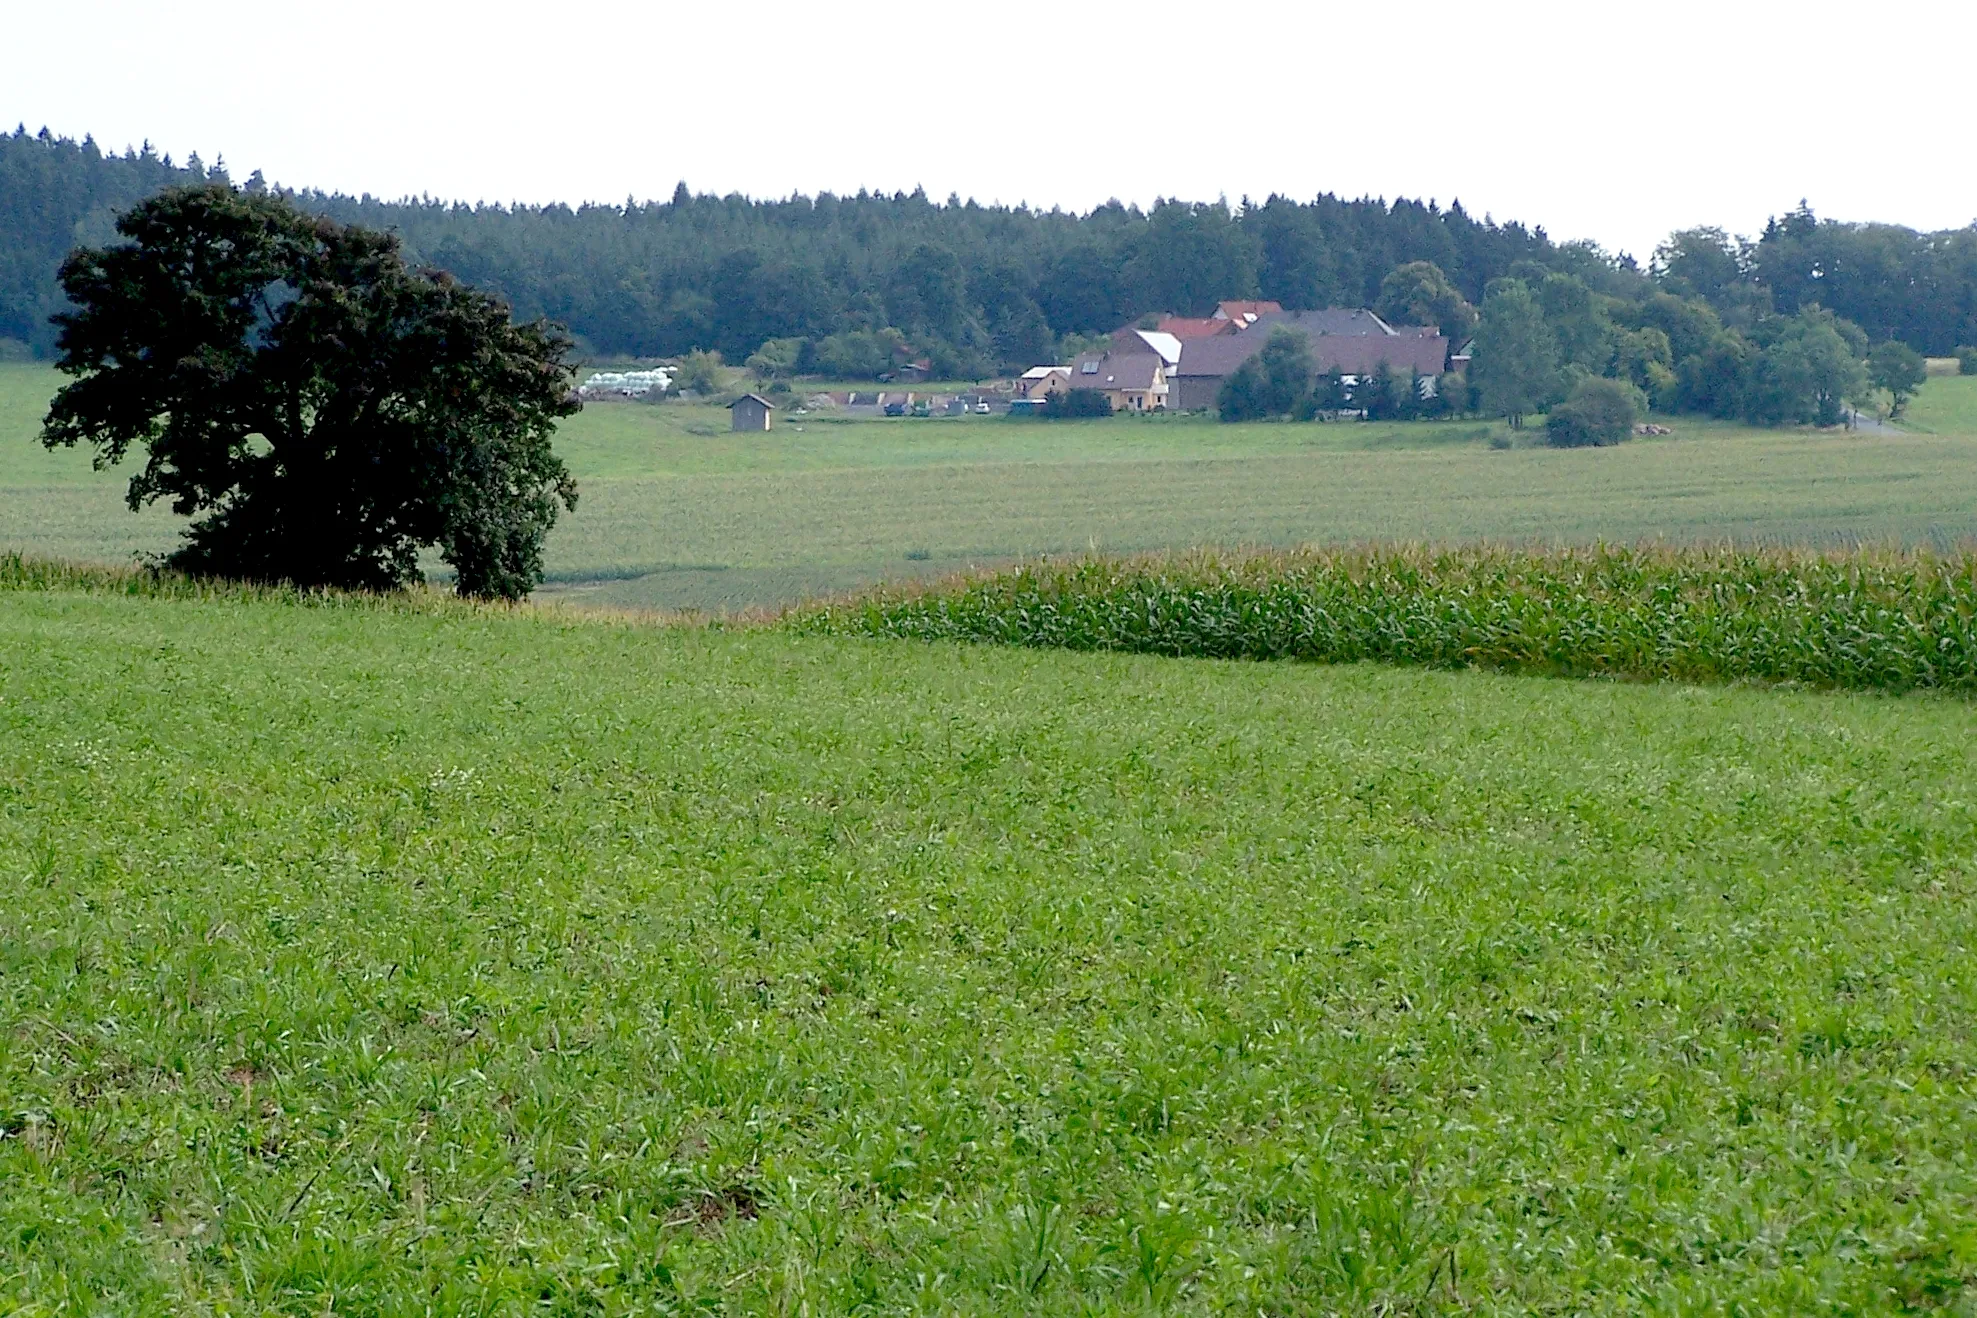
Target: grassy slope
[[679, 512], [490, 963], [1946, 405]]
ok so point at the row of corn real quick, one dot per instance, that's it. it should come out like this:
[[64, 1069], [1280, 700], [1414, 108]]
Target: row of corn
[[1889, 620]]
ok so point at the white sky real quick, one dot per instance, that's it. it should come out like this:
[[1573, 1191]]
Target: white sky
[[1605, 119]]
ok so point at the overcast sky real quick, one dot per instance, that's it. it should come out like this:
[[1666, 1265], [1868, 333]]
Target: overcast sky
[[1615, 121]]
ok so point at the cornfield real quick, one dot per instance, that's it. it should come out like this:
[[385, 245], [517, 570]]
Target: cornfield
[[1888, 620]]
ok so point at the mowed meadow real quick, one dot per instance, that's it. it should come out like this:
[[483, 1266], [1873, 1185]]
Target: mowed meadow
[[679, 513], [405, 957]]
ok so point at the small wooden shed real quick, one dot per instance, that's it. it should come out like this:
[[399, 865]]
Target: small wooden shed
[[751, 412]]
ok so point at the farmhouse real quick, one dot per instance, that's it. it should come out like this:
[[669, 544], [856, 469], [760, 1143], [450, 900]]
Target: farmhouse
[[1343, 342], [1132, 381], [1182, 364], [1365, 354], [751, 412]]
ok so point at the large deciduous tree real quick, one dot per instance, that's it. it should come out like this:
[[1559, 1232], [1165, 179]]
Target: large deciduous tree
[[1900, 370], [1515, 363], [321, 410], [1287, 371], [1276, 381], [1806, 368], [1418, 293]]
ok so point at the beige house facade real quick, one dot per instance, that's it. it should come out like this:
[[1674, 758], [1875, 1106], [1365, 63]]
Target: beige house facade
[[1131, 381]]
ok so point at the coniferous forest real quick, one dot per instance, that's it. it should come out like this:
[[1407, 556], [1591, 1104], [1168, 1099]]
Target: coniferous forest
[[981, 288]]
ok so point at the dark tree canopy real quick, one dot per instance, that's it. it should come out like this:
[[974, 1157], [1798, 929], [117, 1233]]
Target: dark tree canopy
[[1287, 371], [1244, 393], [857, 286], [320, 409], [966, 285]]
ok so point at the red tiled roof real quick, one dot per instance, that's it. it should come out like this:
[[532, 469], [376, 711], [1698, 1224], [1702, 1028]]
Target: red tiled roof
[[1195, 327]]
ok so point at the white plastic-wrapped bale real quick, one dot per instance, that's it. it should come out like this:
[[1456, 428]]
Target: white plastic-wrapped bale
[[626, 384]]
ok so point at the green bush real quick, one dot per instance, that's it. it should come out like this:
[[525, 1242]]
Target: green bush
[[1598, 412], [1241, 397], [1070, 403], [1862, 620], [1966, 361], [701, 373]]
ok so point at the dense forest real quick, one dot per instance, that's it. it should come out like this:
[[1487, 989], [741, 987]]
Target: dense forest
[[852, 283]]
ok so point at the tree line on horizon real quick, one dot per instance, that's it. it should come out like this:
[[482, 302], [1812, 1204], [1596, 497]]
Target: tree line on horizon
[[850, 285]]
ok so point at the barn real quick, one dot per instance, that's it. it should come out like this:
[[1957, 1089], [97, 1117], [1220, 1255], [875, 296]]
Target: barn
[[751, 412]]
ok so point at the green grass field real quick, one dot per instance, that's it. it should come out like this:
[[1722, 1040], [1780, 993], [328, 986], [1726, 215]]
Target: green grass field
[[1947, 405], [385, 958], [679, 513]]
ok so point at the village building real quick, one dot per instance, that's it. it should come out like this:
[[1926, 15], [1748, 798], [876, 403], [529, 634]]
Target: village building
[[1363, 355], [1343, 342], [1132, 379], [751, 412], [1040, 381], [1165, 346]]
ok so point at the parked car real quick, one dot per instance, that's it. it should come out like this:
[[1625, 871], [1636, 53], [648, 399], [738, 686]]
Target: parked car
[[895, 409], [982, 408]]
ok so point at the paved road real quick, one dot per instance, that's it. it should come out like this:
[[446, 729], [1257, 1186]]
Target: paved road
[[1869, 424]]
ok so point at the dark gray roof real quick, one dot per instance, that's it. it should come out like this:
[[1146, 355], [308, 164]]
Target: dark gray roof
[[1360, 354], [1117, 370], [757, 397], [1221, 354], [1330, 320], [1348, 354]]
